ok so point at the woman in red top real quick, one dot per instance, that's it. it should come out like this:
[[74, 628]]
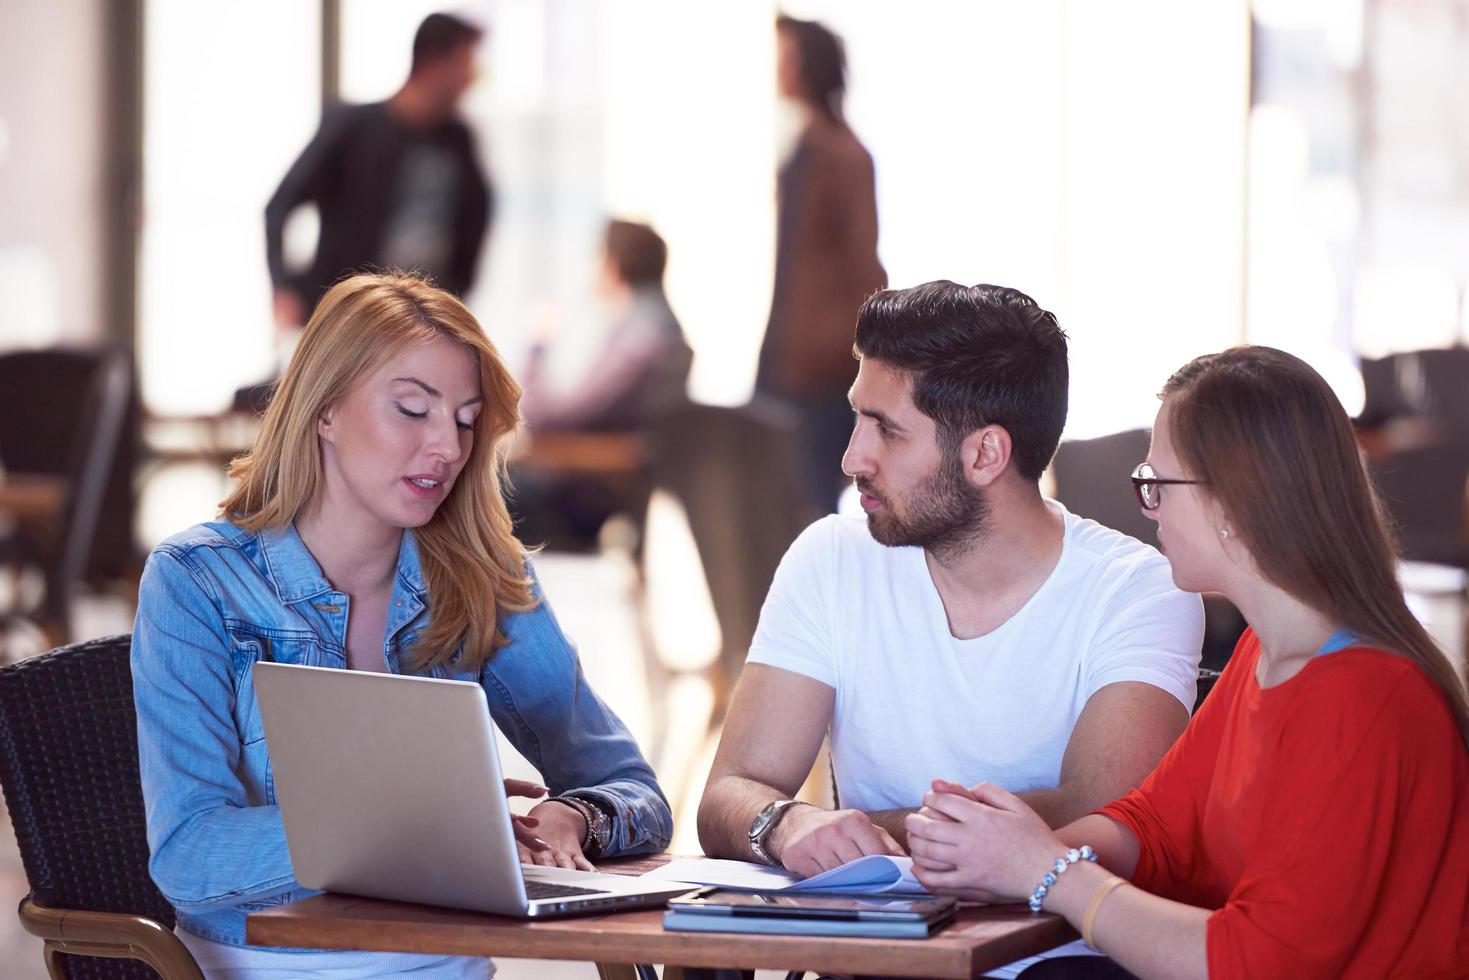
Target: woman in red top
[[1313, 820]]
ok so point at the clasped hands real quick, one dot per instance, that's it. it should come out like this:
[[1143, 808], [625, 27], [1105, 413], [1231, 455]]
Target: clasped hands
[[980, 843], [551, 833]]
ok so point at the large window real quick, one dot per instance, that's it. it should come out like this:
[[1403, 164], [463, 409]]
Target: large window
[[1092, 156], [1089, 154], [232, 94]]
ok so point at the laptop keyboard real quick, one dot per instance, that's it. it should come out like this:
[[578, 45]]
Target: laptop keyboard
[[545, 889]]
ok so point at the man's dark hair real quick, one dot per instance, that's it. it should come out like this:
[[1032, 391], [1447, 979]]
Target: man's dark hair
[[637, 251], [439, 36], [823, 63], [978, 355]]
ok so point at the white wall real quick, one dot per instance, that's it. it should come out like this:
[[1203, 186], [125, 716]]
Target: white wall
[[51, 171], [231, 96], [1089, 154]]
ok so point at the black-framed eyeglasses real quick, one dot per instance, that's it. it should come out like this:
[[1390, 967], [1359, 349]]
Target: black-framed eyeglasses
[[1145, 484]]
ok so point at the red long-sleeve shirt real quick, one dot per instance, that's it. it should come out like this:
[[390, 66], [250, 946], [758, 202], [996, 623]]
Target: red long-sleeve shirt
[[1326, 819]]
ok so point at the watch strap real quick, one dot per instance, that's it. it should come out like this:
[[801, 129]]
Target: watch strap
[[777, 810]]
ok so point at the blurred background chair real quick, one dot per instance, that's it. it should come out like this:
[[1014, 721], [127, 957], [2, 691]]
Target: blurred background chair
[[1207, 679], [1092, 481], [737, 474], [1422, 382], [70, 424], [69, 768], [1415, 429], [1424, 490]]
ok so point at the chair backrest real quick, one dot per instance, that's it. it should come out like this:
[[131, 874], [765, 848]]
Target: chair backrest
[[92, 464], [736, 471], [74, 413], [1384, 394], [69, 767], [1092, 481], [1207, 679], [1424, 490]]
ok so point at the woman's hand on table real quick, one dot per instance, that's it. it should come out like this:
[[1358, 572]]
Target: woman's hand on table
[[980, 843], [561, 830]]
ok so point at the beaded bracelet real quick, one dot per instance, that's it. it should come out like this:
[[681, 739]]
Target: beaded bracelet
[[1082, 853]]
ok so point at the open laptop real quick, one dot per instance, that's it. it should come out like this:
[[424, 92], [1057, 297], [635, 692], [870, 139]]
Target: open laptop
[[390, 787]]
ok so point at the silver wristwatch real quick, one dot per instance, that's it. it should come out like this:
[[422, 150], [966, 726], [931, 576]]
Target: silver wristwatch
[[764, 824]]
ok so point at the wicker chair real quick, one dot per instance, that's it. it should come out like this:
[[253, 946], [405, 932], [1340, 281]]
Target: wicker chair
[[69, 767]]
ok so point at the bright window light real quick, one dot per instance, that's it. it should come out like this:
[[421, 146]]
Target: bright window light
[[223, 123]]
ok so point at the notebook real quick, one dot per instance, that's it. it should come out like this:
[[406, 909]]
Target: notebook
[[874, 874]]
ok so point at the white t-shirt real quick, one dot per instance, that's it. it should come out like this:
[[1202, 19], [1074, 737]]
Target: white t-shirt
[[913, 702]]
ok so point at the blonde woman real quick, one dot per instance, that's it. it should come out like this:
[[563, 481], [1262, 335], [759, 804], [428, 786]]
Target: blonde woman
[[366, 531], [1313, 819]]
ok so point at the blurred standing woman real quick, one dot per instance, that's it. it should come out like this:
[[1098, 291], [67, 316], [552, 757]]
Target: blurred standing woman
[[825, 254], [366, 531], [1313, 820]]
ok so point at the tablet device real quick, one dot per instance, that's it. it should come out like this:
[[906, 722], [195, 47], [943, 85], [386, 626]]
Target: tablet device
[[787, 905]]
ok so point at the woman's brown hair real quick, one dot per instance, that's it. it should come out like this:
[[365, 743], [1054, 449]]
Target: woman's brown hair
[[472, 564], [1276, 448]]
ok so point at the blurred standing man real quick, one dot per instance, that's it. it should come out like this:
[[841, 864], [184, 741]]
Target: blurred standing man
[[825, 256], [398, 183]]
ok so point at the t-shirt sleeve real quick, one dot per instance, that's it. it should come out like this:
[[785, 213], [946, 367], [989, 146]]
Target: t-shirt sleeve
[[1360, 809], [795, 625], [1149, 631]]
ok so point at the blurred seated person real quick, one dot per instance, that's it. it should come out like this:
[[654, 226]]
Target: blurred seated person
[[637, 372], [641, 368]]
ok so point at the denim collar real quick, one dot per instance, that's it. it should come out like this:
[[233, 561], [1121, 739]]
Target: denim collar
[[296, 575], [409, 572]]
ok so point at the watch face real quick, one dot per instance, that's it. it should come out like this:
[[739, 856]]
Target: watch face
[[765, 818]]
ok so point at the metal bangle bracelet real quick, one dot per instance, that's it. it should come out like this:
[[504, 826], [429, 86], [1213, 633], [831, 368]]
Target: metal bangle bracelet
[[592, 843]]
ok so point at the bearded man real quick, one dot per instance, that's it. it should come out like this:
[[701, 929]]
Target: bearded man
[[969, 627]]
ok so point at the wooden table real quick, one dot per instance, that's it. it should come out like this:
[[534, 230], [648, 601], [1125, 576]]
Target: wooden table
[[36, 502], [980, 939], [581, 453], [36, 497]]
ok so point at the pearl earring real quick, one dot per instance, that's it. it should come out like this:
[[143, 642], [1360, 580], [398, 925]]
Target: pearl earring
[[1224, 532]]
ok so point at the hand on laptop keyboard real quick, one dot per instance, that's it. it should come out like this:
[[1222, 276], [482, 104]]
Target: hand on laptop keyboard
[[563, 828], [524, 825]]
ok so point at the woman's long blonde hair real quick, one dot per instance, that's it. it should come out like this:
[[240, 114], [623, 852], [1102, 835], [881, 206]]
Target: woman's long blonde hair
[[472, 564], [1276, 448]]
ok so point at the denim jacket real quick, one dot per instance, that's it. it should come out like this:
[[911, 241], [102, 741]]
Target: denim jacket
[[214, 599]]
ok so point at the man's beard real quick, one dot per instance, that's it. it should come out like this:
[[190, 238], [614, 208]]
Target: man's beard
[[945, 514]]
